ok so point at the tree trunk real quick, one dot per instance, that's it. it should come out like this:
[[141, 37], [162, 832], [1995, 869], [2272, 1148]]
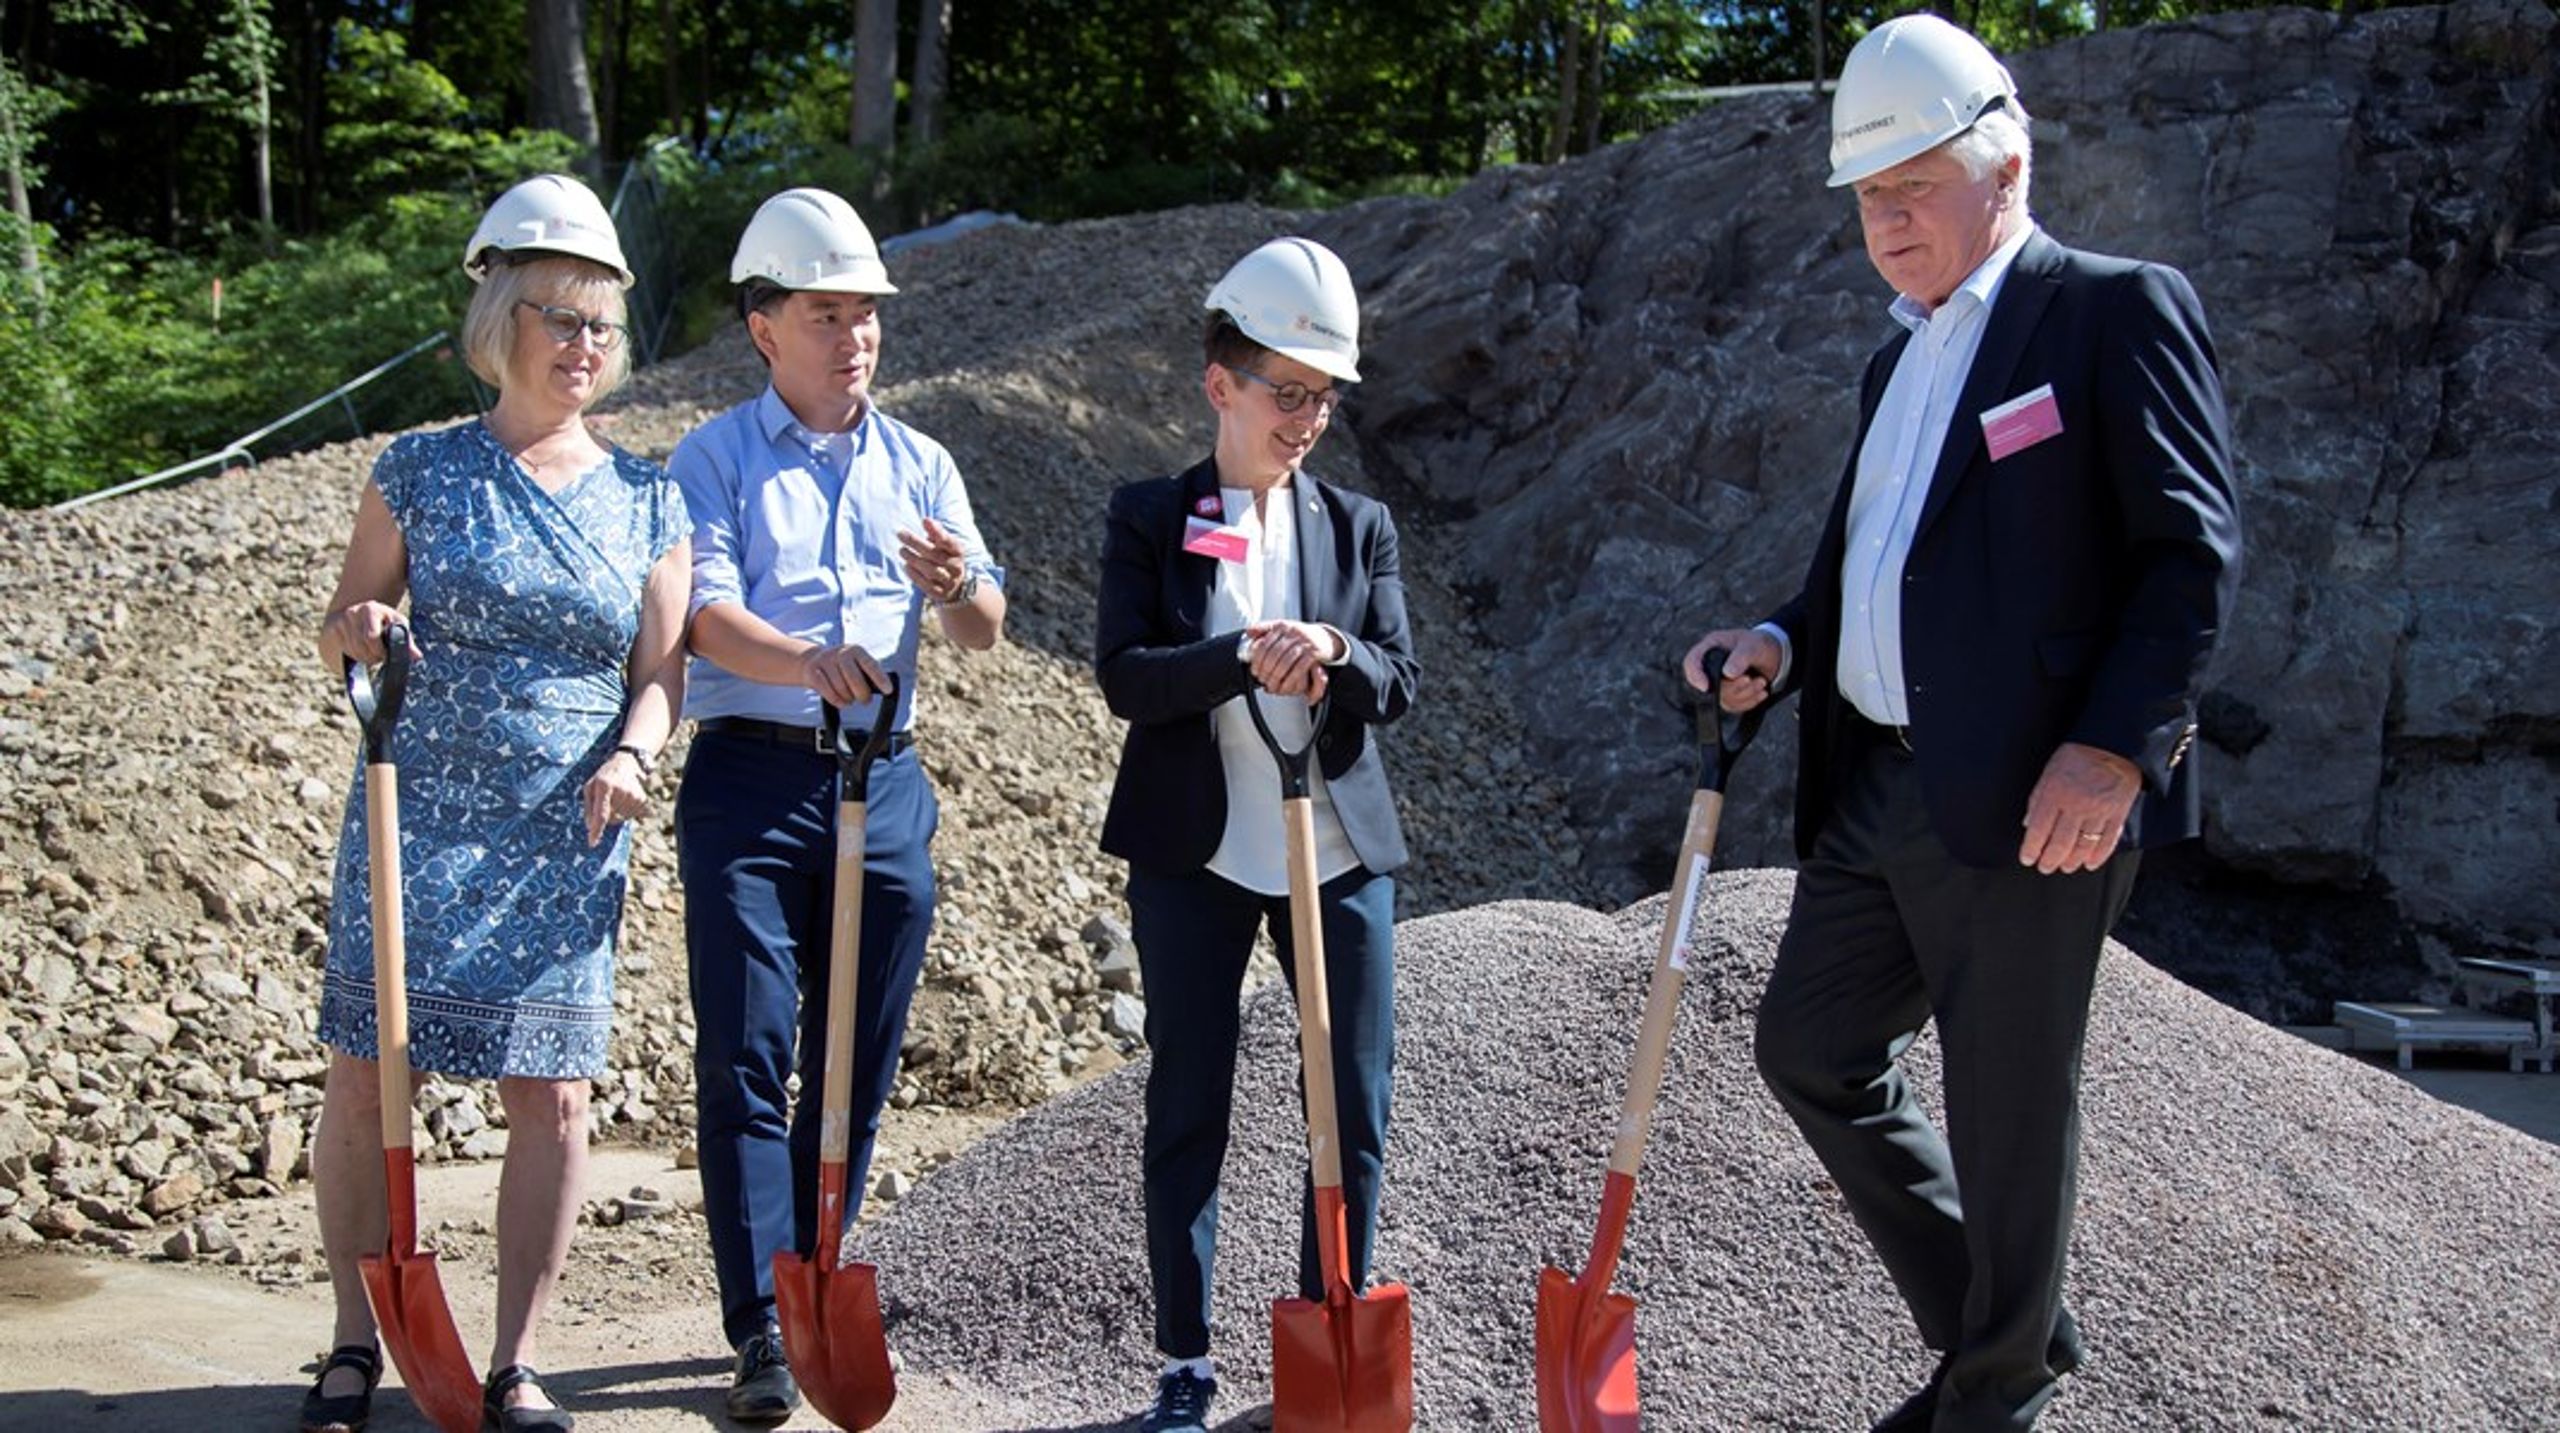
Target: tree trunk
[[556, 37], [931, 80], [670, 77], [609, 83], [1568, 77], [262, 163], [1821, 38], [30, 263], [875, 76], [1595, 87]]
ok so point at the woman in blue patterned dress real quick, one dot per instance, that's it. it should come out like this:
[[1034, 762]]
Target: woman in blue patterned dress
[[546, 575]]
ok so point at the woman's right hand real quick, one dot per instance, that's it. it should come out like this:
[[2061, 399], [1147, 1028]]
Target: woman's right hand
[[356, 632]]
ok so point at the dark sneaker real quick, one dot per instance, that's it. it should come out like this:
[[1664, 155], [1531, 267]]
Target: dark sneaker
[[1182, 1404], [763, 1391]]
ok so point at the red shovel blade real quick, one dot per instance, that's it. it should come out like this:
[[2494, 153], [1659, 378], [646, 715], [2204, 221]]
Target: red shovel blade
[[417, 1329], [1343, 1367], [1586, 1357], [831, 1332]]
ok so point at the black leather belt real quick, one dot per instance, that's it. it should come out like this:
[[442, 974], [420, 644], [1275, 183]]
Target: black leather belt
[[799, 738], [1896, 737]]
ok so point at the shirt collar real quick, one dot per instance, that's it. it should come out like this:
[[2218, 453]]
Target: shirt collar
[[1976, 292], [778, 422]]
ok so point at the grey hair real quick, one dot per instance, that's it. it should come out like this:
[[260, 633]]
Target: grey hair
[[488, 325], [1998, 136]]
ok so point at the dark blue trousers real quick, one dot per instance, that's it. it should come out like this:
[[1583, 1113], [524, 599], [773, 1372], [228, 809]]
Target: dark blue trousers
[[1194, 933], [755, 845]]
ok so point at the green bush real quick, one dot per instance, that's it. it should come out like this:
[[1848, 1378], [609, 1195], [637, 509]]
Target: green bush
[[124, 369]]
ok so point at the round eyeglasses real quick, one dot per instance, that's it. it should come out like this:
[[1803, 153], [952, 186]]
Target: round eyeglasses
[[1289, 397], [565, 324]]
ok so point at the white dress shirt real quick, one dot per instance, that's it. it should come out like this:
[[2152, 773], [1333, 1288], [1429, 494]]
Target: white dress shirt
[[1264, 588], [1892, 485]]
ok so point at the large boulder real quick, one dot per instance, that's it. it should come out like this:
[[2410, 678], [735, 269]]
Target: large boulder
[[1628, 385]]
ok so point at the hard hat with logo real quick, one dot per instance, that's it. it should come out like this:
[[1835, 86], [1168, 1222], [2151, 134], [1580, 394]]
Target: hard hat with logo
[[1294, 297], [810, 239], [547, 214], [1912, 84]]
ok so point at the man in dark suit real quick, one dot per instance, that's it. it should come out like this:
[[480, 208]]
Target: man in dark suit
[[1244, 579], [1999, 645]]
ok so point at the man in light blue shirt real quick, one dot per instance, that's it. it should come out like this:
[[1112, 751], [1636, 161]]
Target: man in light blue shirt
[[823, 529]]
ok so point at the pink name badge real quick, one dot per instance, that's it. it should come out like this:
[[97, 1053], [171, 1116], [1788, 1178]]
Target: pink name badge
[[1201, 536], [2021, 423]]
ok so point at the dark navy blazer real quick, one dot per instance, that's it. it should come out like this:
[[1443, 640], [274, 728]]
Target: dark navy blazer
[[2069, 592], [1163, 673]]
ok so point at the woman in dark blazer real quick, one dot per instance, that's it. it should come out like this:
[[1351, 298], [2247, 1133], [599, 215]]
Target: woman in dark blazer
[[1246, 579]]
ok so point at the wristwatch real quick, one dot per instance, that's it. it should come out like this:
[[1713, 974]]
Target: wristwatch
[[648, 762], [967, 589]]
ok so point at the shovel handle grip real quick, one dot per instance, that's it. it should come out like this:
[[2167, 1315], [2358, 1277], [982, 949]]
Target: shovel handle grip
[[1294, 765], [854, 757], [376, 694], [1722, 735]]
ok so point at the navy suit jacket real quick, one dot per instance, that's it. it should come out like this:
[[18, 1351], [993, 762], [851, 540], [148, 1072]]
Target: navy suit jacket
[[1163, 673], [2071, 591]]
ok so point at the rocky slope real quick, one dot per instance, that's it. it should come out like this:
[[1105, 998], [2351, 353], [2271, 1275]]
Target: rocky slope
[[1625, 385]]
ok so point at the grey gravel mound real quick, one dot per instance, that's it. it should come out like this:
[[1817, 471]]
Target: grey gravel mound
[[2270, 1234]]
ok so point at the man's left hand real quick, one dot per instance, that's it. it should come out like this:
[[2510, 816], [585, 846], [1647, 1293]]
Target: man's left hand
[[2076, 814], [934, 561]]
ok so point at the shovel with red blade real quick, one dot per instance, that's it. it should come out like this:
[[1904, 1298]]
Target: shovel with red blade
[[830, 1311], [408, 1296], [1343, 1364], [1586, 1333]]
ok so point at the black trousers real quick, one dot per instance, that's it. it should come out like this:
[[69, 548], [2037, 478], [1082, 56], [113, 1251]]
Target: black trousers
[[1888, 931], [1194, 933]]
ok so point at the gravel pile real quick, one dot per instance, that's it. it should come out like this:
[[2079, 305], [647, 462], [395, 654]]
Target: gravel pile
[[2270, 1234], [173, 763]]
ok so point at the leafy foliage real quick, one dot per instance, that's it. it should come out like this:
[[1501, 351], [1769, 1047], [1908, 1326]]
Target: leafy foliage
[[136, 128]]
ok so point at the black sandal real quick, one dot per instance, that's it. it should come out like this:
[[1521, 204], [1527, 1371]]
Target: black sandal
[[494, 1412], [346, 1412]]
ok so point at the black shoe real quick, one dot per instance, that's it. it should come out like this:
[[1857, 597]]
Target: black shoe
[[1182, 1404], [763, 1391], [494, 1412], [346, 1412], [1916, 1413]]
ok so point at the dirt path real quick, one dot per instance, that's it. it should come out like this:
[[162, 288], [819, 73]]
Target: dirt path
[[152, 1347]]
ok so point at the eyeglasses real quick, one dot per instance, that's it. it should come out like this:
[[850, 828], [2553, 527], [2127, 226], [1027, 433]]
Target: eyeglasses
[[1292, 396], [565, 324]]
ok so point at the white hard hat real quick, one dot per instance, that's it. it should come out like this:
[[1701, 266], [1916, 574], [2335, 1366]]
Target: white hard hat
[[810, 239], [1912, 84], [548, 214], [1294, 297]]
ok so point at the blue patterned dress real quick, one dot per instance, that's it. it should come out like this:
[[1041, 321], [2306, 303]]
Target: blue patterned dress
[[525, 604]]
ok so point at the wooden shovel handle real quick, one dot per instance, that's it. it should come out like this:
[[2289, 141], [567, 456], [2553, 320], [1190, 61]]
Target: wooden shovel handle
[[1315, 1006], [1315, 1048], [844, 977], [1670, 972]]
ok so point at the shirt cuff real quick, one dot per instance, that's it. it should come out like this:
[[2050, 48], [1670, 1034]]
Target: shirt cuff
[[1786, 653], [1344, 658]]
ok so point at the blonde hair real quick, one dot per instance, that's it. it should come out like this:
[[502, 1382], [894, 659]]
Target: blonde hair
[[488, 325]]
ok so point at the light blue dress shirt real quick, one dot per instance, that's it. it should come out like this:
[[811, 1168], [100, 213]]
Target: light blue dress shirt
[[1892, 485], [802, 527]]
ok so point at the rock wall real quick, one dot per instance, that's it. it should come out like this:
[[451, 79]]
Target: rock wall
[[1627, 383]]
